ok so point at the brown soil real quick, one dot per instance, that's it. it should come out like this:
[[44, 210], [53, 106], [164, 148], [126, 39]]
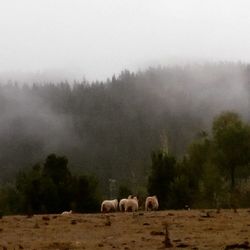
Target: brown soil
[[192, 229]]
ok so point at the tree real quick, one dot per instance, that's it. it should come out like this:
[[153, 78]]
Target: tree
[[198, 154], [124, 191], [50, 198], [231, 148], [56, 168], [50, 188], [232, 144], [162, 174], [9, 200], [28, 185], [180, 194], [86, 197]]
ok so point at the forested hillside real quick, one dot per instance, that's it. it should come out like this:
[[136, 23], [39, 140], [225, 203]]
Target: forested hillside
[[110, 128]]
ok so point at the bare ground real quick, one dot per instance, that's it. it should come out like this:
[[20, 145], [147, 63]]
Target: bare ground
[[192, 229]]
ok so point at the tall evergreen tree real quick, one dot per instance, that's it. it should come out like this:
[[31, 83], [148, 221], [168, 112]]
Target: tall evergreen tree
[[162, 174]]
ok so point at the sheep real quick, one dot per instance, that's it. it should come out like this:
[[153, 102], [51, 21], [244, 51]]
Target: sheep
[[131, 205], [151, 203], [123, 202], [66, 212], [109, 206]]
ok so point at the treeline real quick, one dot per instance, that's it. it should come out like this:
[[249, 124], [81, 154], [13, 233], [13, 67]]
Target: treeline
[[110, 128], [50, 188], [213, 173]]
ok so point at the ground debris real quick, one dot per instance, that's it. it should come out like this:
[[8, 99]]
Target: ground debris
[[182, 245], [177, 240], [108, 221], [60, 245], [73, 222], [208, 214], [167, 241], [244, 245], [20, 246], [36, 225], [46, 218], [156, 233]]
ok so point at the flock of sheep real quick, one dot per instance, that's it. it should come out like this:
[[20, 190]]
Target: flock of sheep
[[129, 204]]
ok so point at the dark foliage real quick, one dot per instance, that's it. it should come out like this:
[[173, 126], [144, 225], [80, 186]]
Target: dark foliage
[[124, 191], [214, 172], [163, 173], [51, 188], [111, 128]]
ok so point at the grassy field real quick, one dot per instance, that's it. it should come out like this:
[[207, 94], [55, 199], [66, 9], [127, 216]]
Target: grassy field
[[192, 229]]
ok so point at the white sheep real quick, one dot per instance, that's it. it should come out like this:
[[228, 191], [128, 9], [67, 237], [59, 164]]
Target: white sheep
[[123, 202], [66, 212], [151, 203], [109, 206], [131, 205]]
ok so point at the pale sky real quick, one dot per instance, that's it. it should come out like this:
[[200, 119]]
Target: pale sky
[[97, 38]]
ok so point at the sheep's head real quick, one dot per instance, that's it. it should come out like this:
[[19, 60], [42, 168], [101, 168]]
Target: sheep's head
[[135, 198]]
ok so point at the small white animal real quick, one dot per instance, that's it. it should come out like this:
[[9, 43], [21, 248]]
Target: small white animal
[[66, 212]]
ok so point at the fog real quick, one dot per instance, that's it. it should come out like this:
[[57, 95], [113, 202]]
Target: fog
[[198, 51], [30, 128], [95, 39], [111, 128]]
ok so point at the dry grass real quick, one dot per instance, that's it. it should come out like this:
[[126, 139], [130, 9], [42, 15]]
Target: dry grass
[[143, 230]]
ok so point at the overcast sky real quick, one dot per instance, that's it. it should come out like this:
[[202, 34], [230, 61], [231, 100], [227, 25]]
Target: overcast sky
[[97, 38]]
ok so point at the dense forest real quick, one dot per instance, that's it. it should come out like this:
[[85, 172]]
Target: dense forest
[[109, 129]]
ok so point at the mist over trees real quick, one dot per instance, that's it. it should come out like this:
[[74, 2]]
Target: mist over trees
[[111, 128], [214, 172]]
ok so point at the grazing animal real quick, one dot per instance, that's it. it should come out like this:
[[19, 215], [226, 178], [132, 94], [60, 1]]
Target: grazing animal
[[131, 205], [151, 203], [66, 212], [123, 202], [109, 206]]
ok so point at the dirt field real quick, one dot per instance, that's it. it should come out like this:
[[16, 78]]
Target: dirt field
[[192, 229]]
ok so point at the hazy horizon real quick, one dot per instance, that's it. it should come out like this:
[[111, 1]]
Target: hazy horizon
[[96, 39]]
